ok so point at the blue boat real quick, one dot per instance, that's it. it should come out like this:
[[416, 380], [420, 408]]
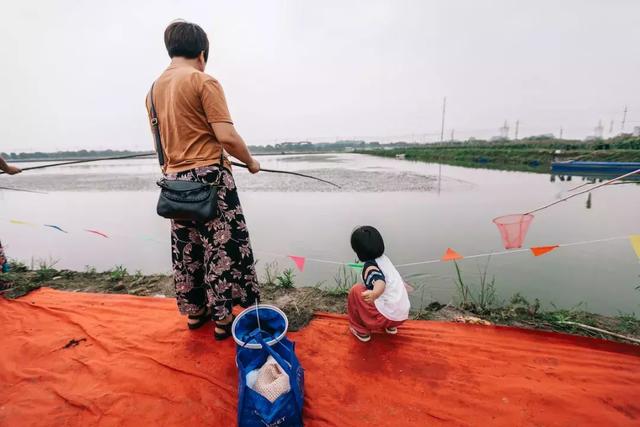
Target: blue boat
[[594, 168]]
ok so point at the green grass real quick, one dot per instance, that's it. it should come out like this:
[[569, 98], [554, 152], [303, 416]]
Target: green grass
[[479, 298], [118, 273], [344, 279], [271, 273], [286, 279], [524, 155]]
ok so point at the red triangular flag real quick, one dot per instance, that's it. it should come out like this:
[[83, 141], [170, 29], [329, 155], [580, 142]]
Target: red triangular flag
[[541, 250], [299, 260], [451, 255]]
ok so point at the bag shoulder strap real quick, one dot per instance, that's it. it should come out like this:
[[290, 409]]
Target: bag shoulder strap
[[155, 127]]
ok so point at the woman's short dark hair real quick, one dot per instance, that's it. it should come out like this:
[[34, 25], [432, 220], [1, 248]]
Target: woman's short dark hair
[[367, 243], [186, 39]]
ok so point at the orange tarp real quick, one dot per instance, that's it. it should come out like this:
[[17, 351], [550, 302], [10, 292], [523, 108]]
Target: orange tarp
[[131, 361]]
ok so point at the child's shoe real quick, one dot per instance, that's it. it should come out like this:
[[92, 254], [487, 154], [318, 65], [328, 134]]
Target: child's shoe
[[391, 331], [361, 337]]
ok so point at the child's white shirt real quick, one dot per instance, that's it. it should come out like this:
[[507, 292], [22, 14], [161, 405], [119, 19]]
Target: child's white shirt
[[394, 301]]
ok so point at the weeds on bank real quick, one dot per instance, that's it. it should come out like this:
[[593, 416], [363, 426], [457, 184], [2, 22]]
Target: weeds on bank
[[271, 272], [18, 266], [425, 313], [344, 279], [478, 299], [285, 280], [45, 270], [276, 279], [118, 273]]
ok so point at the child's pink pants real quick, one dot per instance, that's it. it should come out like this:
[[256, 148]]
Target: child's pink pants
[[365, 317]]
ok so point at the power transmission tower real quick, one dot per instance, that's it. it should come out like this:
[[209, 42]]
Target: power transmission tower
[[611, 127], [504, 131], [444, 109], [598, 130], [624, 119], [517, 128], [561, 132]]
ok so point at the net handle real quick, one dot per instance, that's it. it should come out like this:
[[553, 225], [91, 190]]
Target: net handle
[[584, 191]]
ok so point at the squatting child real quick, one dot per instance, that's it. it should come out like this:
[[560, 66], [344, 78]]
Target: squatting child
[[381, 303]]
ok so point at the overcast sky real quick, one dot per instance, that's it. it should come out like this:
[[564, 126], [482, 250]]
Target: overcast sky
[[75, 73]]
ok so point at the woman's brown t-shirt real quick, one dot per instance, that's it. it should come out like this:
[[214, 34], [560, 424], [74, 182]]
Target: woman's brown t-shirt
[[187, 101]]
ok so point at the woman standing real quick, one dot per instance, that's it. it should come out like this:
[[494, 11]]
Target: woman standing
[[213, 261], [11, 170]]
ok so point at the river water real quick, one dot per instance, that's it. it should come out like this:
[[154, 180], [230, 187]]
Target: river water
[[421, 209]]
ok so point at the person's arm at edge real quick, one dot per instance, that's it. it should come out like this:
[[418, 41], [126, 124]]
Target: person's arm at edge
[[11, 170], [233, 143]]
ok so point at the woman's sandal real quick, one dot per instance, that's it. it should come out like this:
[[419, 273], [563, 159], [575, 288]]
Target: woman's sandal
[[202, 319], [226, 327]]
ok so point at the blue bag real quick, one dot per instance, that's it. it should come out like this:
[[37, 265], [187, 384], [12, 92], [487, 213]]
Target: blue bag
[[253, 409]]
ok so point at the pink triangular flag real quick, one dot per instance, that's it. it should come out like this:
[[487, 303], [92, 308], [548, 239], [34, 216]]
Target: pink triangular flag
[[299, 260]]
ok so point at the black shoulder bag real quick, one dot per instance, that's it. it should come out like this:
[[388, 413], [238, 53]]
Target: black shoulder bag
[[184, 200]]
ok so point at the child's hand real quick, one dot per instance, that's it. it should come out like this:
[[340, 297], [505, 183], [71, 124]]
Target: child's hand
[[370, 296]]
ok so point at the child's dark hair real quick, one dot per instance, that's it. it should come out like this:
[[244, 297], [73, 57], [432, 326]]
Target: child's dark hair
[[367, 243]]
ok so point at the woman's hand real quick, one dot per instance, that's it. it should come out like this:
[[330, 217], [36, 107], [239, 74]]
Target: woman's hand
[[254, 166], [370, 296], [12, 170]]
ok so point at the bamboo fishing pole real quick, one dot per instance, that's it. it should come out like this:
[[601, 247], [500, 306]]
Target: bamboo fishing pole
[[132, 156], [74, 162]]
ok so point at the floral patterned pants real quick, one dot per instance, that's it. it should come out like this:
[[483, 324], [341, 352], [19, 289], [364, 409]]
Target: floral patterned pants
[[213, 263]]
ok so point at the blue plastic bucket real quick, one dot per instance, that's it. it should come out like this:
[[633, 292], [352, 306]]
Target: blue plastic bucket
[[267, 320]]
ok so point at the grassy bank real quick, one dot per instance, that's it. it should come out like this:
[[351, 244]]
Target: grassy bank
[[533, 155], [474, 303]]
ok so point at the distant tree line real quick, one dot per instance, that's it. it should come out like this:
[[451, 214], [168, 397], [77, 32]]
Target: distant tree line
[[80, 154], [620, 142]]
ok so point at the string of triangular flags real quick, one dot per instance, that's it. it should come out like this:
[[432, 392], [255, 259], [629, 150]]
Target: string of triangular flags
[[452, 255], [449, 254]]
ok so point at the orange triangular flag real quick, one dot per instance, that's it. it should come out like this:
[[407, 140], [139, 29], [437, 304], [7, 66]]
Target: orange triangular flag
[[299, 260], [541, 250], [451, 255]]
